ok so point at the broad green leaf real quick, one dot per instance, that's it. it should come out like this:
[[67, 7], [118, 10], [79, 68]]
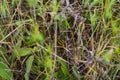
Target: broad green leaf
[[4, 71], [63, 73], [29, 63], [64, 68], [78, 76], [23, 51], [28, 67]]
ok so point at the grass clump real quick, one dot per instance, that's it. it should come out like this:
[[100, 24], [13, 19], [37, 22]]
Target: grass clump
[[59, 40]]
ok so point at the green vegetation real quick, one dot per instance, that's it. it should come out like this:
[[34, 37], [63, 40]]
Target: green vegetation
[[59, 39]]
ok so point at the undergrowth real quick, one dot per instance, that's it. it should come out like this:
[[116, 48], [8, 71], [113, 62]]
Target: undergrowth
[[59, 39]]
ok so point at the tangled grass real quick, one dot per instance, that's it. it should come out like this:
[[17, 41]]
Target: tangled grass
[[59, 40]]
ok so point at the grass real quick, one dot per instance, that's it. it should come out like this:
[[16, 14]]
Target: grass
[[59, 40]]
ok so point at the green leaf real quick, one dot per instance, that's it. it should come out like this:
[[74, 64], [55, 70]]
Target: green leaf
[[117, 50], [64, 68], [66, 24], [55, 6], [3, 9], [23, 51], [60, 76], [29, 63], [4, 73], [32, 3], [48, 63], [78, 76], [28, 67], [35, 36]]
